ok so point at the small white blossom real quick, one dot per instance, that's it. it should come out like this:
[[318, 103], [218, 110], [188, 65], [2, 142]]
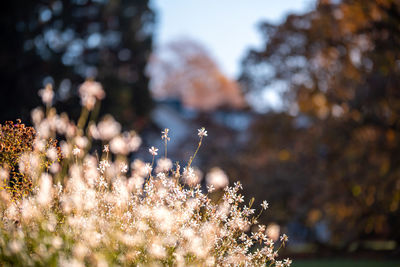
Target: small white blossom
[[106, 148], [202, 132], [148, 168], [210, 188], [118, 145], [108, 128], [284, 238], [265, 205], [217, 177], [163, 165], [133, 141], [165, 134], [273, 231], [37, 115], [47, 94], [90, 91], [124, 168], [153, 151], [52, 153], [287, 262], [103, 165], [76, 151], [191, 176]]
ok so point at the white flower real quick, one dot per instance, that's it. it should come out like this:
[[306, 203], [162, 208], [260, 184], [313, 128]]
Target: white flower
[[45, 189], [210, 188], [273, 231], [139, 167], [90, 91], [133, 141], [148, 168], [51, 153], [265, 205], [47, 94], [202, 132], [118, 145], [93, 131], [217, 178], [191, 176], [165, 134], [81, 141], [37, 115], [15, 246], [287, 262], [163, 165], [76, 151], [124, 168], [106, 148], [284, 238], [108, 128], [103, 165], [153, 151]]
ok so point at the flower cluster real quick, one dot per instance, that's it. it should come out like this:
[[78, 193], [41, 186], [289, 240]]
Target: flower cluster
[[90, 92], [16, 141], [95, 211]]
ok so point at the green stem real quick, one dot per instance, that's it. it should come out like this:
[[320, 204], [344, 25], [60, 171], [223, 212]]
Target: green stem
[[152, 162], [195, 153], [83, 118], [165, 156]]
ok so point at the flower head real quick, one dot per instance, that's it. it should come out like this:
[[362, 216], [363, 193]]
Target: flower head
[[76, 151], [106, 148], [47, 94], [148, 168], [202, 132], [90, 91], [164, 165], [265, 205], [124, 168], [165, 134], [103, 165], [284, 238], [217, 178], [287, 262], [153, 151]]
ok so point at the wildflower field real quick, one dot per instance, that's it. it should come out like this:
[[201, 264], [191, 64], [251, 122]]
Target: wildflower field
[[72, 196]]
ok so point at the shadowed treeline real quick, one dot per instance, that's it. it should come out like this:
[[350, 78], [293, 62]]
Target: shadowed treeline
[[333, 152], [65, 42]]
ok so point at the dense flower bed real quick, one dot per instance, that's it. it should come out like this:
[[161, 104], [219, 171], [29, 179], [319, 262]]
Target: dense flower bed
[[98, 209]]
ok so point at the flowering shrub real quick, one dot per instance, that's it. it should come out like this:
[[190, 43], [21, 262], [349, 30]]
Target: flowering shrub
[[15, 140], [95, 211]]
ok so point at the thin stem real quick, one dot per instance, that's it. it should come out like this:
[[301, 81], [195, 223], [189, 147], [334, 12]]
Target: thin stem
[[95, 112], [83, 118], [195, 153], [165, 142], [152, 163]]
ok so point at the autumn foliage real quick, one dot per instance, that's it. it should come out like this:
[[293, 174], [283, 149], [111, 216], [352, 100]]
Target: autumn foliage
[[15, 140], [336, 145]]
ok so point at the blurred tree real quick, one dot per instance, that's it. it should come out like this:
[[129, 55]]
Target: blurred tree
[[184, 70], [340, 65], [66, 41]]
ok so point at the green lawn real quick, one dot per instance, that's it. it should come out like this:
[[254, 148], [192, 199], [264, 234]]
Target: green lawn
[[344, 263]]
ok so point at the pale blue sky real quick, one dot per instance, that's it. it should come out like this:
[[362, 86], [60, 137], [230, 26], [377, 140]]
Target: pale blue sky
[[227, 28]]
